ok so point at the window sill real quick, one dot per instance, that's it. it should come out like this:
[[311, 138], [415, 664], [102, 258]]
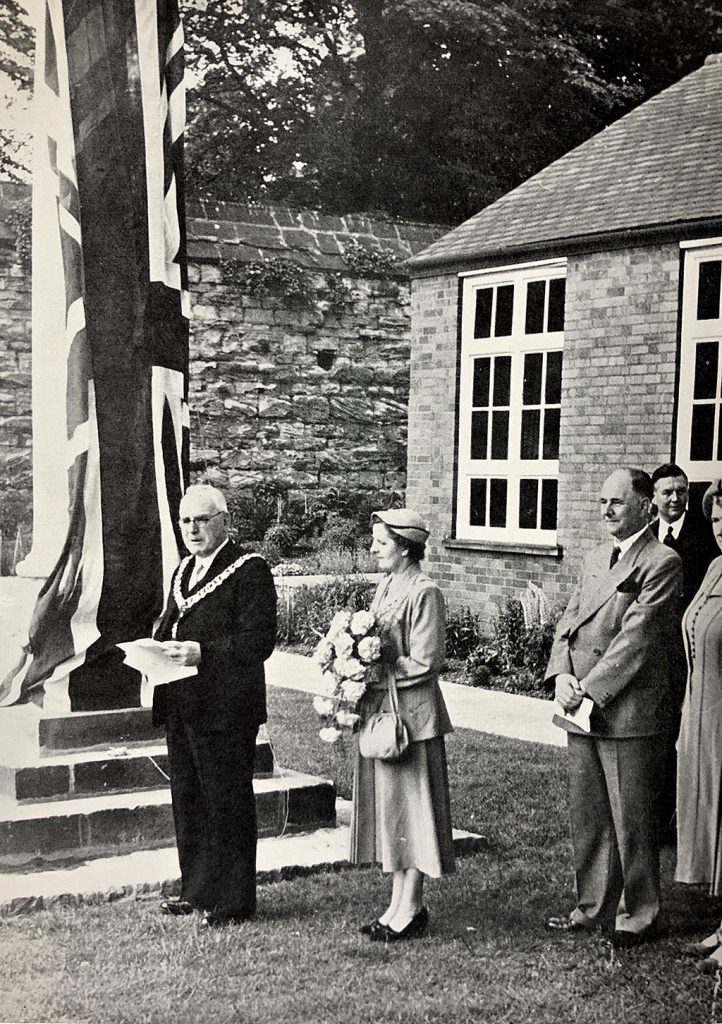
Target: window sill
[[504, 547]]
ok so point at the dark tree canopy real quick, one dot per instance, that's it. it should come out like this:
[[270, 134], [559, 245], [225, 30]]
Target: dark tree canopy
[[16, 46], [423, 109]]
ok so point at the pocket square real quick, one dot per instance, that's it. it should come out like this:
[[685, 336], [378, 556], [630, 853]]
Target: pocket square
[[628, 586]]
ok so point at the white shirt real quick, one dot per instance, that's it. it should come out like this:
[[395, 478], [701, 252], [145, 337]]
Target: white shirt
[[625, 545], [202, 565], [676, 527]]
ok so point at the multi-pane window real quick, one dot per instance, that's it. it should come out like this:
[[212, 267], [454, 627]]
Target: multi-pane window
[[510, 403], [699, 422]]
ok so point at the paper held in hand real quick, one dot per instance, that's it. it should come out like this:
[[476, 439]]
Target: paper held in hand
[[151, 658], [580, 716]]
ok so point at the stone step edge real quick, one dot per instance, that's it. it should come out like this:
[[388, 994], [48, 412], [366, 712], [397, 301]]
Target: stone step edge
[[465, 844], [80, 805]]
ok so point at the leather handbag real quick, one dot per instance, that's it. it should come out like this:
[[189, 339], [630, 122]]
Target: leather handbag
[[383, 734]]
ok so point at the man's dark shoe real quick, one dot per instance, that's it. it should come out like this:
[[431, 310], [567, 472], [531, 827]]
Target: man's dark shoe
[[568, 925], [629, 940], [178, 908]]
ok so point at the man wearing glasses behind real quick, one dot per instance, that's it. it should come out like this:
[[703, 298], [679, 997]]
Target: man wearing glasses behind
[[220, 619]]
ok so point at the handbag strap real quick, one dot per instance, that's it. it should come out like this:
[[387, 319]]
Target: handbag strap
[[393, 695]]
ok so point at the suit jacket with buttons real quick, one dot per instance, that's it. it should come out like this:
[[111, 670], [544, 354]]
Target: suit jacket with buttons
[[235, 626], [614, 637]]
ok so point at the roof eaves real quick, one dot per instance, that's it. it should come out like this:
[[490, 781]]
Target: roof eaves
[[621, 238]]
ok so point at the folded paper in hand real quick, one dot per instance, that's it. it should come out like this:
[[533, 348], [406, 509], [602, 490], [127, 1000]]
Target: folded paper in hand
[[151, 658], [580, 716]]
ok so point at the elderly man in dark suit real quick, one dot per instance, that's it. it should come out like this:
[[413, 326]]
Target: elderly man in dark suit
[[611, 648], [221, 620], [682, 527]]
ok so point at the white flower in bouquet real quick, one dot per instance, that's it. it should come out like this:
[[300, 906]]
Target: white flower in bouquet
[[350, 668], [347, 719], [330, 735], [323, 705], [369, 648], [324, 654], [342, 644], [340, 622], [362, 623], [353, 690]]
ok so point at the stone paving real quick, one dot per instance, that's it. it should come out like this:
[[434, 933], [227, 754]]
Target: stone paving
[[156, 871]]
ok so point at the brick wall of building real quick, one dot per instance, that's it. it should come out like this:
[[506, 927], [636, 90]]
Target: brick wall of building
[[620, 360]]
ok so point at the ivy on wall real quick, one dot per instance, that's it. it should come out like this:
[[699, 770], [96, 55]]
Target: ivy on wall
[[363, 261], [285, 278], [272, 275]]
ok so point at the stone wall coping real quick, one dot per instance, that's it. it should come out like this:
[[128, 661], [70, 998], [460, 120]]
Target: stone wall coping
[[245, 232], [249, 232], [316, 580]]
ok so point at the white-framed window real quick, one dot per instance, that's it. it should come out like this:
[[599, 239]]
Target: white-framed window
[[699, 415], [512, 340]]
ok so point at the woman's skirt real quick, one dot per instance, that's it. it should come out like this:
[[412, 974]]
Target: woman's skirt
[[401, 815]]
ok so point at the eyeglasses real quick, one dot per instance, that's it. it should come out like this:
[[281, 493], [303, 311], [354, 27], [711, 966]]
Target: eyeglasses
[[198, 520]]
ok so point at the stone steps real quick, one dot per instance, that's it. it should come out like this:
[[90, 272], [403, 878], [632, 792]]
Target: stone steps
[[94, 784], [115, 823], [95, 772]]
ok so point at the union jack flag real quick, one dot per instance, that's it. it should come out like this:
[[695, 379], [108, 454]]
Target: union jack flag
[[110, 287]]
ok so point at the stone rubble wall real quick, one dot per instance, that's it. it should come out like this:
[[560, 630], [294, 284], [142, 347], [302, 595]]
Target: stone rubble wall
[[303, 396], [15, 379], [313, 395]]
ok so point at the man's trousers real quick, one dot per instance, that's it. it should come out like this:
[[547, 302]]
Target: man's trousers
[[211, 778], [613, 799]]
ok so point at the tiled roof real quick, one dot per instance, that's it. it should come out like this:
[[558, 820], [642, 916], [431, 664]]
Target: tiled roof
[[660, 165], [246, 232]]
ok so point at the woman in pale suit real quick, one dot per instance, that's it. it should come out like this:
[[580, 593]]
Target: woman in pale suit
[[401, 813], [699, 780]]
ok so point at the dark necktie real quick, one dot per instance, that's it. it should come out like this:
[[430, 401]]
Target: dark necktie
[[614, 557], [669, 539]]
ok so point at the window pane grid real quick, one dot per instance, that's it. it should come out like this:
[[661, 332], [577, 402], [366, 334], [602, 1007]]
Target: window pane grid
[[706, 423], [511, 406], [491, 395], [708, 290], [494, 306], [540, 417]]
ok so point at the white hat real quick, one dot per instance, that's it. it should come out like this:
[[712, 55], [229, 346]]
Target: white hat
[[405, 522]]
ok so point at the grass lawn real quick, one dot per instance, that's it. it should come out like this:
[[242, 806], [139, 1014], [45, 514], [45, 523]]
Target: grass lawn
[[487, 958]]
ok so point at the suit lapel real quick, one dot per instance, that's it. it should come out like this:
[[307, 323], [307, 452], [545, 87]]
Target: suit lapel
[[222, 558], [601, 582]]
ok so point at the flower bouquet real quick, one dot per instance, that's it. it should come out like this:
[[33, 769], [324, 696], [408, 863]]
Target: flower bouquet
[[350, 652]]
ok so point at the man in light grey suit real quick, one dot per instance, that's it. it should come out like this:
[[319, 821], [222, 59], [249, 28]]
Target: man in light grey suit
[[611, 647]]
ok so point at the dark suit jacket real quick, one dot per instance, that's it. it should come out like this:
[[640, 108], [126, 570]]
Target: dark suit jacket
[[696, 547], [235, 626], [614, 637]]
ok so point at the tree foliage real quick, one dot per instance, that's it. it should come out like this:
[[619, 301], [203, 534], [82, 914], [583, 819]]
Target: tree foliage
[[16, 46], [425, 109]]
